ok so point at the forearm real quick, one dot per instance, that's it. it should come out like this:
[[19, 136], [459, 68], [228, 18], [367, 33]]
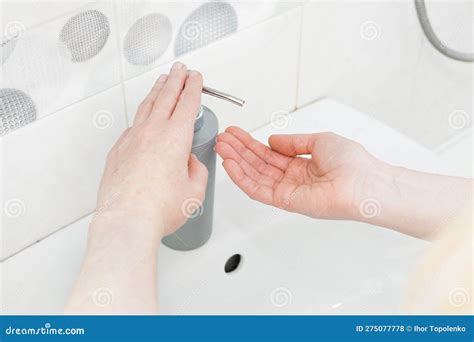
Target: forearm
[[118, 275], [415, 203]]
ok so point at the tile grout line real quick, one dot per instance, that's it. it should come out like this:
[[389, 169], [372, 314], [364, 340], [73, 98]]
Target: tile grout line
[[298, 66], [46, 236], [120, 62]]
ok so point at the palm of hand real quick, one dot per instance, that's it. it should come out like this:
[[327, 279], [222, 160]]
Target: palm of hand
[[322, 186]]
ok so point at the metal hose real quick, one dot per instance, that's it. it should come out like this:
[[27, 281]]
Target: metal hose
[[433, 38]]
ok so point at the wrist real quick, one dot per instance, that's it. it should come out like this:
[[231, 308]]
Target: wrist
[[122, 228], [374, 191]]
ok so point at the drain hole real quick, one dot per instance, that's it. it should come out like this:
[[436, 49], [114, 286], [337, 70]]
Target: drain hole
[[232, 263]]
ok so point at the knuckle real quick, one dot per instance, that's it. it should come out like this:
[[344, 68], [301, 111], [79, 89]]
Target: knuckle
[[143, 106], [266, 155], [111, 155], [126, 132], [252, 194]]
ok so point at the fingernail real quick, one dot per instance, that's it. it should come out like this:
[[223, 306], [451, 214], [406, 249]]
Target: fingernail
[[177, 66], [193, 73]]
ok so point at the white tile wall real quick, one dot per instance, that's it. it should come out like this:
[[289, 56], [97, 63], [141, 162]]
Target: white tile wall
[[19, 15], [374, 56], [52, 167], [259, 64], [457, 155], [41, 68], [248, 13]]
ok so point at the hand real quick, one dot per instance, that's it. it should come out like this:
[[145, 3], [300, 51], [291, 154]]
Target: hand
[[148, 175], [150, 172], [341, 180], [327, 185]]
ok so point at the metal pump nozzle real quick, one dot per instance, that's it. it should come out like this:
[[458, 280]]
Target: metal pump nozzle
[[223, 96]]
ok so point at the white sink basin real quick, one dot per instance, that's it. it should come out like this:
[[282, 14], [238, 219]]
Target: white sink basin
[[290, 264]]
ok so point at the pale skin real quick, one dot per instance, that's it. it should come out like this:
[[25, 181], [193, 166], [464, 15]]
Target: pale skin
[[150, 173]]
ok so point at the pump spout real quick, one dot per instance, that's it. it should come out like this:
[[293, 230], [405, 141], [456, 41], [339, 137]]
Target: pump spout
[[222, 95]]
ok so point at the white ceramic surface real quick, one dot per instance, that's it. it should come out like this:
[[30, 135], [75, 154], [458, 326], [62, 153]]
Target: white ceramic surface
[[373, 56], [291, 264], [51, 168]]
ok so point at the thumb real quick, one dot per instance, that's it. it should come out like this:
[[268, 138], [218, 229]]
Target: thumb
[[292, 144]]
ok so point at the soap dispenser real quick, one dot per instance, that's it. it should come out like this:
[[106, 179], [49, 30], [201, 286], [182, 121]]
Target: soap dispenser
[[197, 230]]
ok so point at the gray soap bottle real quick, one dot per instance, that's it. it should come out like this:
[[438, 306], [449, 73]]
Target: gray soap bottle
[[197, 230]]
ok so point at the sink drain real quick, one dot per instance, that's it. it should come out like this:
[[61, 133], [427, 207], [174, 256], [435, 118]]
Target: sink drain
[[232, 263]]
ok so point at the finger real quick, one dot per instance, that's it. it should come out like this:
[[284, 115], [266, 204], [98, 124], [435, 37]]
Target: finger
[[170, 92], [190, 99], [144, 109], [250, 157], [184, 115], [254, 190], [292, 144], [227, 152], [262, 151]]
